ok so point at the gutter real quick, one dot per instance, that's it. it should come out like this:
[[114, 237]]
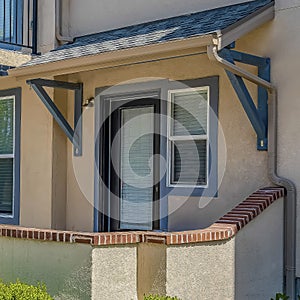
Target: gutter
[[59, 37], [290, 201]]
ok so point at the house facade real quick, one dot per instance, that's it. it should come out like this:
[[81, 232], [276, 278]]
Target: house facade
[[131, 139]]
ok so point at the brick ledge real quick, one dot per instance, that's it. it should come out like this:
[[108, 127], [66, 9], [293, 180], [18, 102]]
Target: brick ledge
[[225, 228]]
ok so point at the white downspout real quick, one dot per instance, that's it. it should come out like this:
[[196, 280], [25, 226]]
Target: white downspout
[[291, 201], [59, 37], [212, 52]]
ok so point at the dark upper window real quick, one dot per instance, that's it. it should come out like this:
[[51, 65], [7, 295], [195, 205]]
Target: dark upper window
[[18, 24]]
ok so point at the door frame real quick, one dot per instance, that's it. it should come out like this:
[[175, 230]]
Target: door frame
[[102, 153]]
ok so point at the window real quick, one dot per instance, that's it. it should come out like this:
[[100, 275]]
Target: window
[[9, 156], [188, 137], [191, 150]]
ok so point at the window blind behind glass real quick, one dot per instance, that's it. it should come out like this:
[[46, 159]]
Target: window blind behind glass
[[189, 112], [189, 157], [6, 151], [136, 151], [6, 126], [6, 185], [190, 162]]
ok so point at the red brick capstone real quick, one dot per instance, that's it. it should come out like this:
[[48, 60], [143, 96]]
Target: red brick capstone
[[225, 228]]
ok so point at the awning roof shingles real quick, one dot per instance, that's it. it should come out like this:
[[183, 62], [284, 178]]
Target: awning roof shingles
[[156, 32]]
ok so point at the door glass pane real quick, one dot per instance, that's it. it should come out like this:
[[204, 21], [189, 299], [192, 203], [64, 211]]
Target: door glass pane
[[189, 113], [136, 197], [6, 185], [6, 126]]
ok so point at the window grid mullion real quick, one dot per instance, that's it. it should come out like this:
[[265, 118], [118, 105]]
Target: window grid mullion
[[3, 156], [188, 138]]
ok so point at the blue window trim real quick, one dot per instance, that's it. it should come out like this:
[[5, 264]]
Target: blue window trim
[[212, 189], [15, 219]]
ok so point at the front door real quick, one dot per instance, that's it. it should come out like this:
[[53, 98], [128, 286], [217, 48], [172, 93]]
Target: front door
[[133, 168]]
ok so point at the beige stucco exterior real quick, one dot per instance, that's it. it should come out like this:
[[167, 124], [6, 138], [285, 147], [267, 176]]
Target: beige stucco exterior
[[114, 273], [57, 189], [46, 26], [280, 41], [152, 260], [233, 123], [36, 157], [64, 268], [13, 58], [241, 268], [190, 277], [64, 197]]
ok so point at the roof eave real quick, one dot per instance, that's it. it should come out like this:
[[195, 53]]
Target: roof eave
[[110, 59], [140, 54]]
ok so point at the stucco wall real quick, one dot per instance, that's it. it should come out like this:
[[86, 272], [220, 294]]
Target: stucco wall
[[259, 256], [36, 157], [249, 266], [64, 268], [114, 273], [151, 269], [36, 161], [59, 165], [82, 272], [245, 166], [46, 26], [13, 58], [193, 272], [280, 41]]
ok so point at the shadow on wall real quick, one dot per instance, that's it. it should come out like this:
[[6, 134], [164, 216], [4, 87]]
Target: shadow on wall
[[64, 268], [259, 256]]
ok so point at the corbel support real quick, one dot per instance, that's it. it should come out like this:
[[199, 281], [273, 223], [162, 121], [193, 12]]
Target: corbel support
[[258, 115], [74, 135]]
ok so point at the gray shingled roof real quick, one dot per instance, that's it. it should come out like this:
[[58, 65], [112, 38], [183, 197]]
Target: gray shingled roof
[[171, 29]]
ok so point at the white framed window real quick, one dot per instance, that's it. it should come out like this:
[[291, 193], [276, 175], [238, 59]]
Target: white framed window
[[188, 137]]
